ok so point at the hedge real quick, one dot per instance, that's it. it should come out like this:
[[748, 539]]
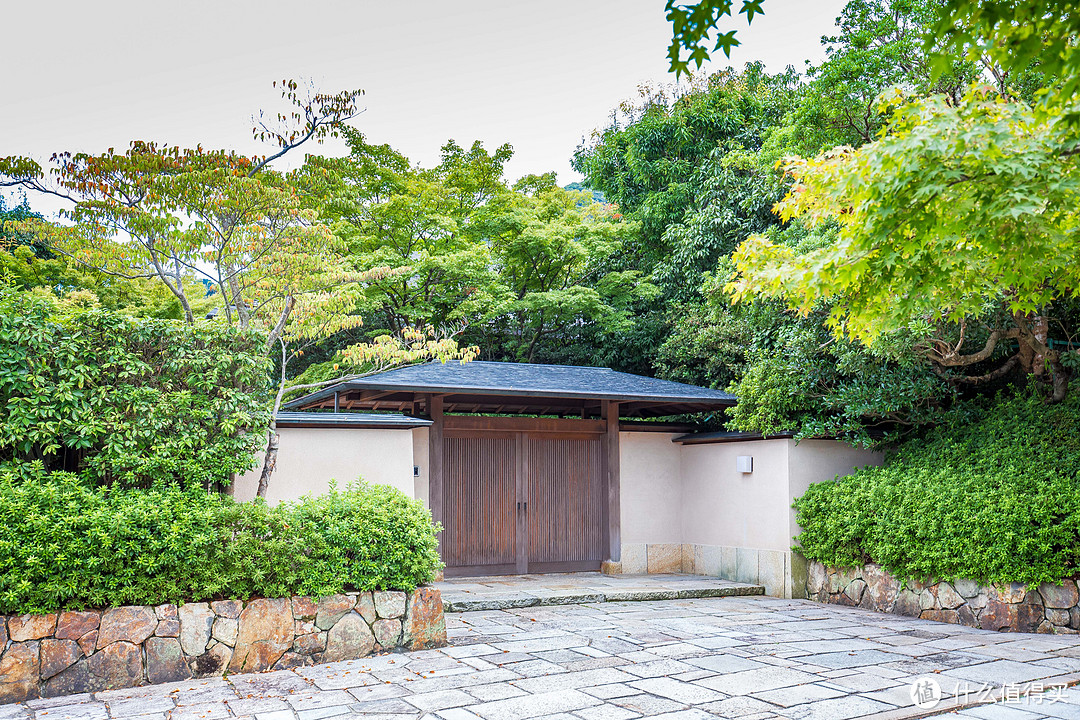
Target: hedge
[[127, 400], [997, 500], [65, 544]]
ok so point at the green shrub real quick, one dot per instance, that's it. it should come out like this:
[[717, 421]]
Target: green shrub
[[997, 500], [64, 544], [121, 399]]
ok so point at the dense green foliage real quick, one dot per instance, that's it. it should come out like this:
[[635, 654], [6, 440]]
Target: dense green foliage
[[120, 399], [995, 500], [1016, 35], [516, 270], [64, 544], [703, 171]]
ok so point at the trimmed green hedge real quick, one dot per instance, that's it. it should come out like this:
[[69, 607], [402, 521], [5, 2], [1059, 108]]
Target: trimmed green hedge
[[997, 500], [64, 544]]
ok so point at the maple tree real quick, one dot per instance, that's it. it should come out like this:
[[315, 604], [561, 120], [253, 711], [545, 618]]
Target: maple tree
[[957, 226], [222, 217]]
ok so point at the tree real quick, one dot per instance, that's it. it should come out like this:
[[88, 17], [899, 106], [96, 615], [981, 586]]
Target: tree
[[176, 214], [11, 236], [126, 400], [682, 164], [878, 44], [693, 24], [416, 223], [168, 213], [1006, 36], [956, 227], [547, 246]]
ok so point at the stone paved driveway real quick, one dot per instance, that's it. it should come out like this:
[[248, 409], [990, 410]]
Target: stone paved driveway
[[748, 657]]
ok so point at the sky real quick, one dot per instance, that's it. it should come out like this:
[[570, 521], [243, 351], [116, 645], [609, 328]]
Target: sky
[[540, 75]]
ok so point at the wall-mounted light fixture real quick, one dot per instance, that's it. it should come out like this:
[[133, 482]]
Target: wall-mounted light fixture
[[416, 471], [744, 464]]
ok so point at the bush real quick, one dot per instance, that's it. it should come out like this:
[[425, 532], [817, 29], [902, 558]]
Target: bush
[[997, 500], [120, 399], [65, 544]]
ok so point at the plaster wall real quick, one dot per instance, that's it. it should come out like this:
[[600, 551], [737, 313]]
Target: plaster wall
[[721, 506], [650, 488], [813, 461], [309, 458], [420, 460]]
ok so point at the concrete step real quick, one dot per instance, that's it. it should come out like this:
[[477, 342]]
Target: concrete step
[[466, 600]]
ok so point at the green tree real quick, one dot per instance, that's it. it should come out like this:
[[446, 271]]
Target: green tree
[[956, 229], [415, 223], [176, 215], [1007, 37], [126, 400], [877, 45], [12, 233], [547, 246], [684, 167]]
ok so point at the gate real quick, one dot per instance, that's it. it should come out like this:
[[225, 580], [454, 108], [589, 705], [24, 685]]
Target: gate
[[520, 501]]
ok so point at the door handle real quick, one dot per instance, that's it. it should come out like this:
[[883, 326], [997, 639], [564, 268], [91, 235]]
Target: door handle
[[522, 505]]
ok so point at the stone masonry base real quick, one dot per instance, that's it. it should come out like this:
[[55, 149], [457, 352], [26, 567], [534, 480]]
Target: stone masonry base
[[782, 573], [1012, 607], [87, 651]]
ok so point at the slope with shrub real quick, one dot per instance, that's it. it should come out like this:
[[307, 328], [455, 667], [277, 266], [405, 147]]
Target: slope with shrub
[[995, 500]]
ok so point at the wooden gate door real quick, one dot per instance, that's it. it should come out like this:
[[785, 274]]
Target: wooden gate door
[[480, 533], [565, 520], [517, 502]]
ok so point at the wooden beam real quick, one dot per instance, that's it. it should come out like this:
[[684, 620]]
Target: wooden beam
[[522, 424], [610, 412]]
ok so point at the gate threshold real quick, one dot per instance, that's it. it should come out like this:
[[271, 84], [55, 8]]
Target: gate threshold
[[465, 594]]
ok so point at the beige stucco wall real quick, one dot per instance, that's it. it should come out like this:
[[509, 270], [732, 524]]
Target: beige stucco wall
[[420, 459], [650, 488], [309, 458], [814, 461], [721, 506]]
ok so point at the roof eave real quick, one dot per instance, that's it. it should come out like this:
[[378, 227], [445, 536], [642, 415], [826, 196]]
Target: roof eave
[[506, 392]]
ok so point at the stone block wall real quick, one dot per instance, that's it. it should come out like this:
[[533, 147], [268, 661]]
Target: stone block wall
[[86, 651], [1014, 607], [781, 573]]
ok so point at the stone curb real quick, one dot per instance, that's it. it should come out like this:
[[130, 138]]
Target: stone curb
[[510, 602]]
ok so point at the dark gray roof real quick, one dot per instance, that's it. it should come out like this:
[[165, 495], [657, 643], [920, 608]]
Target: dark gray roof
[[360, 420], [726, 436], [522, 385]]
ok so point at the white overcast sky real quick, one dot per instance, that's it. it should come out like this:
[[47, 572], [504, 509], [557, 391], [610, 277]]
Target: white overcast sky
[[541, 75]]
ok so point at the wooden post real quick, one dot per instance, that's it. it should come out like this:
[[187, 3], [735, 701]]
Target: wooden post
[[435, 457], [610, 412], [522, 491]]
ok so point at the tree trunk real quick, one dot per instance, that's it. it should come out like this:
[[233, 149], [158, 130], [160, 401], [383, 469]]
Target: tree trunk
[[273, 439], [269, 460]]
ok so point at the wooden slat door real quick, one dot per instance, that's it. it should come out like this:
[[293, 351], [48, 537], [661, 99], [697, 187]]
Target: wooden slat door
[[565, 518], [480, 535], [520, 502]]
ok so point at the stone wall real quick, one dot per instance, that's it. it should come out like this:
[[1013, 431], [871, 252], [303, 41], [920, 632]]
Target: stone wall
[[1013, 607], [86, 651], [782, 574]]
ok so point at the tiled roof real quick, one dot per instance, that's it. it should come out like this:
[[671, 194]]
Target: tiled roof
[[528, 380]]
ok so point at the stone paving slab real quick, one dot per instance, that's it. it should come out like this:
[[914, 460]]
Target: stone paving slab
[[506, 592], [748, 657]]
